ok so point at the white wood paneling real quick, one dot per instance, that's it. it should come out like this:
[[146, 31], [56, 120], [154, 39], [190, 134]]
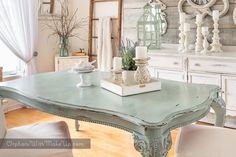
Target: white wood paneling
[[226, 25]]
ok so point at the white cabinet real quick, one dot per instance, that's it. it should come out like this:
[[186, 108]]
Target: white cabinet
[[215, 69], [211, 79], [64, 63], [229, 93], [168, 67]]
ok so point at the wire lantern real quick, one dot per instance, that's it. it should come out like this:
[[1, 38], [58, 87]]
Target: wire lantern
[[149, 26]]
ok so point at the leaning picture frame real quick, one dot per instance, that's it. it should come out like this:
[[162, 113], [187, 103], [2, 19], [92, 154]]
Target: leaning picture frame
[[46, 7], [49, 8]]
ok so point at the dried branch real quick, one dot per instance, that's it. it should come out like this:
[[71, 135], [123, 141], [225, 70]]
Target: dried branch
[[66, 25]]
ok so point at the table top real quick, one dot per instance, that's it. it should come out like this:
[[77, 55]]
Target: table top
[[151, 108]]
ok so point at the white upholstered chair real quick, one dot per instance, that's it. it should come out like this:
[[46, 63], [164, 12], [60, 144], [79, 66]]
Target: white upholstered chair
[[205, 141], [56, 130]]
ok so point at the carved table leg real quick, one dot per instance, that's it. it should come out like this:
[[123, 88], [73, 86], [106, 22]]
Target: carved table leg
[[77, 125], [153, 146], [1, 100], [220, 109]]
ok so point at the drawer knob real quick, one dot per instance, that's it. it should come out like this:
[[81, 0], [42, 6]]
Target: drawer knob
[[176, 63], [197, 64]]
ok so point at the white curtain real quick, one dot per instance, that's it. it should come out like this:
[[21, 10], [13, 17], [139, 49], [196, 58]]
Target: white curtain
[[18, 29]]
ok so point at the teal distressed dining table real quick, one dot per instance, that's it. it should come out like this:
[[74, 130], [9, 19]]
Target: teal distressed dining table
[[150, 117]]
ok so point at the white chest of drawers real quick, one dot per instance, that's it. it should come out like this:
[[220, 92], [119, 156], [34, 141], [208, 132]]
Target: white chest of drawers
[[217, 69], [64, 63]]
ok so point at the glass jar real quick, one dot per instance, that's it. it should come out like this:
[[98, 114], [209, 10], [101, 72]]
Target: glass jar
[[64, 47]]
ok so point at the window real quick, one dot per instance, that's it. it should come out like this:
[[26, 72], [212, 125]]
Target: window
[[10, 63]]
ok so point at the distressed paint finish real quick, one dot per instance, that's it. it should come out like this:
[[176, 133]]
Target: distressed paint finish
[[150, 116]]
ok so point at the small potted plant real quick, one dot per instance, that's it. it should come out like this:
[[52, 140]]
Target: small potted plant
[[128, 55]]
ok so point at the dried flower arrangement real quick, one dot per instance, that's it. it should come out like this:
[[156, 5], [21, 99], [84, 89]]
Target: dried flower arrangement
[[65, 26]]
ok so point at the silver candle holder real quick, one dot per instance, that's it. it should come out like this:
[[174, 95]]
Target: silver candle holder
[[142, 75], [205, 34]]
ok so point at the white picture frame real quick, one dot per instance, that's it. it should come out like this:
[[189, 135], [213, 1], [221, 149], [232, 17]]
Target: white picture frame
[[48, 8]]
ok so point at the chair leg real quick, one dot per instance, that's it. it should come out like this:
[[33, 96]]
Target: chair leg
[[77, 125]]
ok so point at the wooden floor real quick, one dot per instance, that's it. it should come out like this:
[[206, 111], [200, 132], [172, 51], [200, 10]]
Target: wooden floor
[[105, 141]]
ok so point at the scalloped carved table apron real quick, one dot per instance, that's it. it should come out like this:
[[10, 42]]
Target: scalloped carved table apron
[[150, 116]]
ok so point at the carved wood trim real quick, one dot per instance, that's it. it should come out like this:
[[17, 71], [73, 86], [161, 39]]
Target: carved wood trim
[[205, 10], [234, 15], [210, 4], [163, 14]]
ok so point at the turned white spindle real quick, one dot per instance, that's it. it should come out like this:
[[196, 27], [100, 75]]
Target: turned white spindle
[[186, 37], [182, 17], [199, 38], [216, 45]]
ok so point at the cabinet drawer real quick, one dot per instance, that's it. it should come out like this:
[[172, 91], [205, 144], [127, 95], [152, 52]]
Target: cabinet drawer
[[211, 79], [167, 62], [171, 75], [210, 65]]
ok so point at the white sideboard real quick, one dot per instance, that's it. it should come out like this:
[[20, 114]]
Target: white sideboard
[[217, 69], [64, 63]]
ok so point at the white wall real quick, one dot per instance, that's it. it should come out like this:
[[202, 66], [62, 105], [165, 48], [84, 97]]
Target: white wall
[[47, 47], [83, 12]]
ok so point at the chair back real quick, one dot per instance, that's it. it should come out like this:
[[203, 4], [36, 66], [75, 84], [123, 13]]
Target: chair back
[[2, 124]]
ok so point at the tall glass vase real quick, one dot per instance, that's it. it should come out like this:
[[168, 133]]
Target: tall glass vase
[[64, 47]]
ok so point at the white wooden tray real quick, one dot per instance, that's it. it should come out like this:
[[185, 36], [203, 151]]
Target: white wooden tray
[[123, 90]]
